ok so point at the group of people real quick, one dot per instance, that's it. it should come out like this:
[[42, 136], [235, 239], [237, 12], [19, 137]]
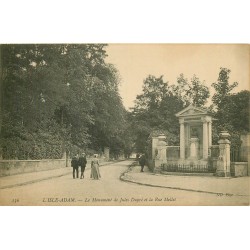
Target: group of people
[[81, 161]]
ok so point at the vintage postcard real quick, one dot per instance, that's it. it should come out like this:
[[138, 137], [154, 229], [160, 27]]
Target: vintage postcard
[[124, 124]]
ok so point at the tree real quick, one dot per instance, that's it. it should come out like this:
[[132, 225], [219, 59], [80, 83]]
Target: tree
[[222, 88], [1, 96], [154, 90], [155, 109], [235, 116], [198, 92], [59, 95], [230, 110], [181, 89], [193, 92], [222, 92]]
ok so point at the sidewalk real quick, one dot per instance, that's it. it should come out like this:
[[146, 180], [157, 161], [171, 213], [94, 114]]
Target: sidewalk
[[205, 184], [28, 178]]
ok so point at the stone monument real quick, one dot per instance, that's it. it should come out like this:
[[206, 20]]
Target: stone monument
[[195, 134]]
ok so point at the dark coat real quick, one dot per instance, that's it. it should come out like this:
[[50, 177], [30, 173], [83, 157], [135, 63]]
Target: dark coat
[[82, 161], [142, 160], [74, 162]]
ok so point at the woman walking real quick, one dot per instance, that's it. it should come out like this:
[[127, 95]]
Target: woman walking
[[95, 173]]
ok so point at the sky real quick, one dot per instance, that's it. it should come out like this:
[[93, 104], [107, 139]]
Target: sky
[[136, 61]]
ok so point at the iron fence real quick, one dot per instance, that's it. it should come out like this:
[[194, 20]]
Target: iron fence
[[239, 154], [234, 155]]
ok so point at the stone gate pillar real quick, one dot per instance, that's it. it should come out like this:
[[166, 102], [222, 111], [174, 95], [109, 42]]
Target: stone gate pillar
[[182, 139], [155, 141], [161, 156], [223, 162], [205, 138], [106, 153]]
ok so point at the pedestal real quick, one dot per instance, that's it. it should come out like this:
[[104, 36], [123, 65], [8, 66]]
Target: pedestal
[[223, 163], [194, 147]]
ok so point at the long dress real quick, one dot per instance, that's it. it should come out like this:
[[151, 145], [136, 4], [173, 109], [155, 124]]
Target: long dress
[[95, 173]]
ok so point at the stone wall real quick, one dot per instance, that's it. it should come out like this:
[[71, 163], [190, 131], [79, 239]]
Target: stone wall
[[11, 167], [238, 169], [245, 149]]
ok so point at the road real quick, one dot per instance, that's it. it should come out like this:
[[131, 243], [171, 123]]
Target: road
[[109, 190]]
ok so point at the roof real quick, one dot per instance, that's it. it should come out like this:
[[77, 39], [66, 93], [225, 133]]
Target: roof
[[192, 110]]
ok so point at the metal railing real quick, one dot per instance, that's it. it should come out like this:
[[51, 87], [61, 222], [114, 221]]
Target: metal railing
[[239, 154]]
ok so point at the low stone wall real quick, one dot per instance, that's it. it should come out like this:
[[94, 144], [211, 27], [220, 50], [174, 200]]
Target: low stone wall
[[11, 167], [238, 169]]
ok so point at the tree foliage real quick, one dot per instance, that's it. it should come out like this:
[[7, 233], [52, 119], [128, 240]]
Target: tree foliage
[[195, 91], [58, 97], [155, 109], [65, 97], [230, 110], [222, 88]]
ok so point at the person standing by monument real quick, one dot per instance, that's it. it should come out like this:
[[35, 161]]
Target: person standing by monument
[[74, 165], [82, 163], [142, 162]]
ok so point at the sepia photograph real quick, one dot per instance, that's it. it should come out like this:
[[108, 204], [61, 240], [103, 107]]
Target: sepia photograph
[[124, 124]]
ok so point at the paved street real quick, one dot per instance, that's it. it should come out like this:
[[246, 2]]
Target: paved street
[[110, 190]]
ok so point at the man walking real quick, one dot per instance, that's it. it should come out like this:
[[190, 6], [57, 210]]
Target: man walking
[[74, 165], [82, 163], [142, 161]]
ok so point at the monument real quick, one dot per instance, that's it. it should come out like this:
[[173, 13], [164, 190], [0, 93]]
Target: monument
[[195, 134]]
